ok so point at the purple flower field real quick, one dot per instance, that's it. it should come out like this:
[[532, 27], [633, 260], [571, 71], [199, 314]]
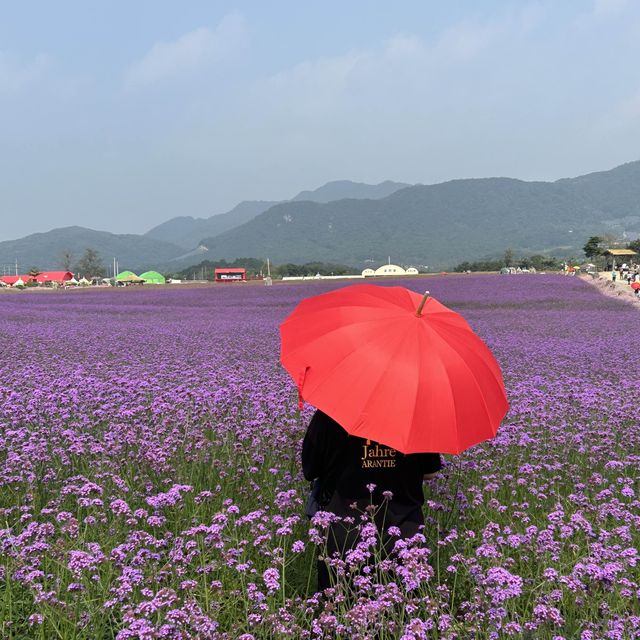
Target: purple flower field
[[151, 488]]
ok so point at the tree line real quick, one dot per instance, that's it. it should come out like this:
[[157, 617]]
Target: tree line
[[89, 265], [537, 262], [597, 246], [256, 268], [594, 249]]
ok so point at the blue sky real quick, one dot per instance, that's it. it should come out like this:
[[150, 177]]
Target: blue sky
[[120, 115]]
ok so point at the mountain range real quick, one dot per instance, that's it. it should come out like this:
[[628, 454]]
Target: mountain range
[[352, 223], [441, 225], [46, 250], [188, 232]]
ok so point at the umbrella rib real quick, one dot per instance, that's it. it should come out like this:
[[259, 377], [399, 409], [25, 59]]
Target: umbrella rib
[[497, 376], [425, 335], [478, 387]]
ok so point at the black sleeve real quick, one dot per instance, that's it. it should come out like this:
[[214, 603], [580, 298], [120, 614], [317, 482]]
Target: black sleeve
[[314, 448], [430, 462], [322, 446]]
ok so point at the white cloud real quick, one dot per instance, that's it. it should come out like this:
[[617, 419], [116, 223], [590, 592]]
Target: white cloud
[[15, 76], [464, 41], [403, 62], [190, 52], [606, 7], [600, 12], [314, 84]]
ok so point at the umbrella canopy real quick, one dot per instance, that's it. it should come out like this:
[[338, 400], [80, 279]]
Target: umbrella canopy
[[394, 367], [635, 285]]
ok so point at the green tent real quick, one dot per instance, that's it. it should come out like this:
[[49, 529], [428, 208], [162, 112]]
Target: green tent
[[153, 277], [123, 275]]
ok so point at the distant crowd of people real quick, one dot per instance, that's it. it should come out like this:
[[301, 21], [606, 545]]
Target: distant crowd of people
[[627, 272]]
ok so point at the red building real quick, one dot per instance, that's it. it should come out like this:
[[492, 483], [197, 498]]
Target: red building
[[11, 280], [53, 276], [231, 274]]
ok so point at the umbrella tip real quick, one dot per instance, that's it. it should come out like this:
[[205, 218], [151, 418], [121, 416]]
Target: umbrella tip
[[422, 303]]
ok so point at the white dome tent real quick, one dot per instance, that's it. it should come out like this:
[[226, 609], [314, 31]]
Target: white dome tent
[[390, 270]]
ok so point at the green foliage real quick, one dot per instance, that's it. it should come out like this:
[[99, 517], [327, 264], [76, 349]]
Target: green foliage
[[536, 261], [540, 263], [256, 267], [312, 268], [508, 257], [479, 265], [66, 260], [205, 270], [90, 265], [634, 245], [593, 247]]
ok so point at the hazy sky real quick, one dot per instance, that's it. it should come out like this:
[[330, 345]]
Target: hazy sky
[[119, 115]]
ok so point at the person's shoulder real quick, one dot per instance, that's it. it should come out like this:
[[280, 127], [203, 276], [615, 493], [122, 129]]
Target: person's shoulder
[[330, 426]]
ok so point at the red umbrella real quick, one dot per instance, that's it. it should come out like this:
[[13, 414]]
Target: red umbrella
[[394, 367], [635, 285]]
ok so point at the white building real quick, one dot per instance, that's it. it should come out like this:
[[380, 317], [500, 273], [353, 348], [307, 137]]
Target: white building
[[389, 270]]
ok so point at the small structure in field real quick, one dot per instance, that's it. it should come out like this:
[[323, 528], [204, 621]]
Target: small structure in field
[[11, 281], [125, 274], [153, 277], [125, 278], [230, 274], [390, 270], [51, 277], [618, 256]]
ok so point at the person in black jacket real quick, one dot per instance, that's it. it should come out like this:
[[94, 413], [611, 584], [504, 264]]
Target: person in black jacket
[[355, 473]]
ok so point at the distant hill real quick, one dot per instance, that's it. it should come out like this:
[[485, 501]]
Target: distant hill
[[437, 225], [172, 244], [614, 194], [187, 232], [342, 189], [44, 250], [443, 224]]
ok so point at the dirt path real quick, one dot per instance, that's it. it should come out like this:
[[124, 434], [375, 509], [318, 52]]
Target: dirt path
[[612, 289]]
